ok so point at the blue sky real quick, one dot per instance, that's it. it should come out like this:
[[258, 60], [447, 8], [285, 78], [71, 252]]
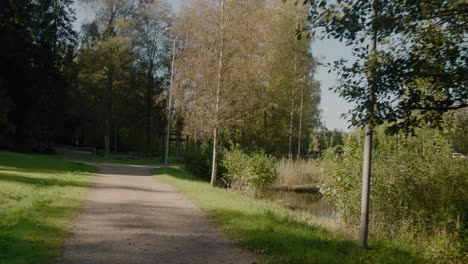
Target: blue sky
[[332, 105], [326, 50]]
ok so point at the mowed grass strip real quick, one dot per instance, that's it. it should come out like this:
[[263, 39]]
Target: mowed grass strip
[[39, 195], [274, 233]]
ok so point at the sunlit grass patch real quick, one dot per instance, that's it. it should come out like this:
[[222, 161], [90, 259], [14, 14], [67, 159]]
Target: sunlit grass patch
[[39, 195], [276, 234]]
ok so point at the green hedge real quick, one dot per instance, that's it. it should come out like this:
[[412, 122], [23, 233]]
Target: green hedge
[[252, 173]]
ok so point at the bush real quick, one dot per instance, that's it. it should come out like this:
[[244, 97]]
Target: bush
[[198, 162], [418, 190], [252, 173]]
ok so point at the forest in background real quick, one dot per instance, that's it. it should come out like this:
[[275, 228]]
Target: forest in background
[[107, 85]]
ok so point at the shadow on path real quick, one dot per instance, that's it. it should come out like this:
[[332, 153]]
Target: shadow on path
[[129, 217]]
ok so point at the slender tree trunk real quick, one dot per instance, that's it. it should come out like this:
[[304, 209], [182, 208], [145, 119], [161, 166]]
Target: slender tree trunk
[[149, 107], [300, 124], [107, 122], [366, 167], [265, 128], [110, 83], [214, 166], [291, 116], [178, 136], [115, 135], [291, 122], [243, 136], [169, 106]]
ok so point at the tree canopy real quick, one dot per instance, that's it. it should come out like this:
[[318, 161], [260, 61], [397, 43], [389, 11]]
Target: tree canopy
[[420, 66]]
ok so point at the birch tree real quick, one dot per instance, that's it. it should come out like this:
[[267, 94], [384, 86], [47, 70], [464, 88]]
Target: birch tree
[[234, 73], [211, 91]]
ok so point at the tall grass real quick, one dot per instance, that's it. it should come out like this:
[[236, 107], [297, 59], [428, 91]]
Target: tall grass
[[299, 172], [418, 194]]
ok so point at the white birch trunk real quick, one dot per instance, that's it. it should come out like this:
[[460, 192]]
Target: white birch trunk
[[300, 123], [291, 116], [214, 166]]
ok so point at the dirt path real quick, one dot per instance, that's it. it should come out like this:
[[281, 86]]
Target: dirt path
[[130, 217]]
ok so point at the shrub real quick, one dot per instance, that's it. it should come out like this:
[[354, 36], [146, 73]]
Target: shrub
[[235, 162], [417, 190], [198, 162], [252, 173]]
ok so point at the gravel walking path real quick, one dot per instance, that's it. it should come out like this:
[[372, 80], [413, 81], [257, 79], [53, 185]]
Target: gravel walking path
[[130, 217]]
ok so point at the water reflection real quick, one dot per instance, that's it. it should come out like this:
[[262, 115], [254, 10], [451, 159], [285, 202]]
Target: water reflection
[[312, 203]]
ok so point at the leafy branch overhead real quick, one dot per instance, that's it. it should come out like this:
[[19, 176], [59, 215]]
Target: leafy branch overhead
[[420, 65]]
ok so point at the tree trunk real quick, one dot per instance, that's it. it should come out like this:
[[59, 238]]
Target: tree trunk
[[300, 124], [149, 107], [243, 137], [214, 166], [366, 166], [107, 122], [178, 136], [265, 129], [291, 117], [169, 107], [366, 173], [115, 136]]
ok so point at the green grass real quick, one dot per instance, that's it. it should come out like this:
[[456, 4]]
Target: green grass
[[39, 195], [276, 234], [122, 159]]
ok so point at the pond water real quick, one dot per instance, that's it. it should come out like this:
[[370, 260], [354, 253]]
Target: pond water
[[312, 203]]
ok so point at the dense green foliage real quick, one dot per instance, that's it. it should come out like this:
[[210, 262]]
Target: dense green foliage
[[458, 131], [198, 162], [420, 64], [121, 74], [36, 52], [250, 172], [418, 191], [39, 195], [106, 84]]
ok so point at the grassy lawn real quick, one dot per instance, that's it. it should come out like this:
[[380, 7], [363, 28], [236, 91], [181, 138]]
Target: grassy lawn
[[39, 195], [277, 234]]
